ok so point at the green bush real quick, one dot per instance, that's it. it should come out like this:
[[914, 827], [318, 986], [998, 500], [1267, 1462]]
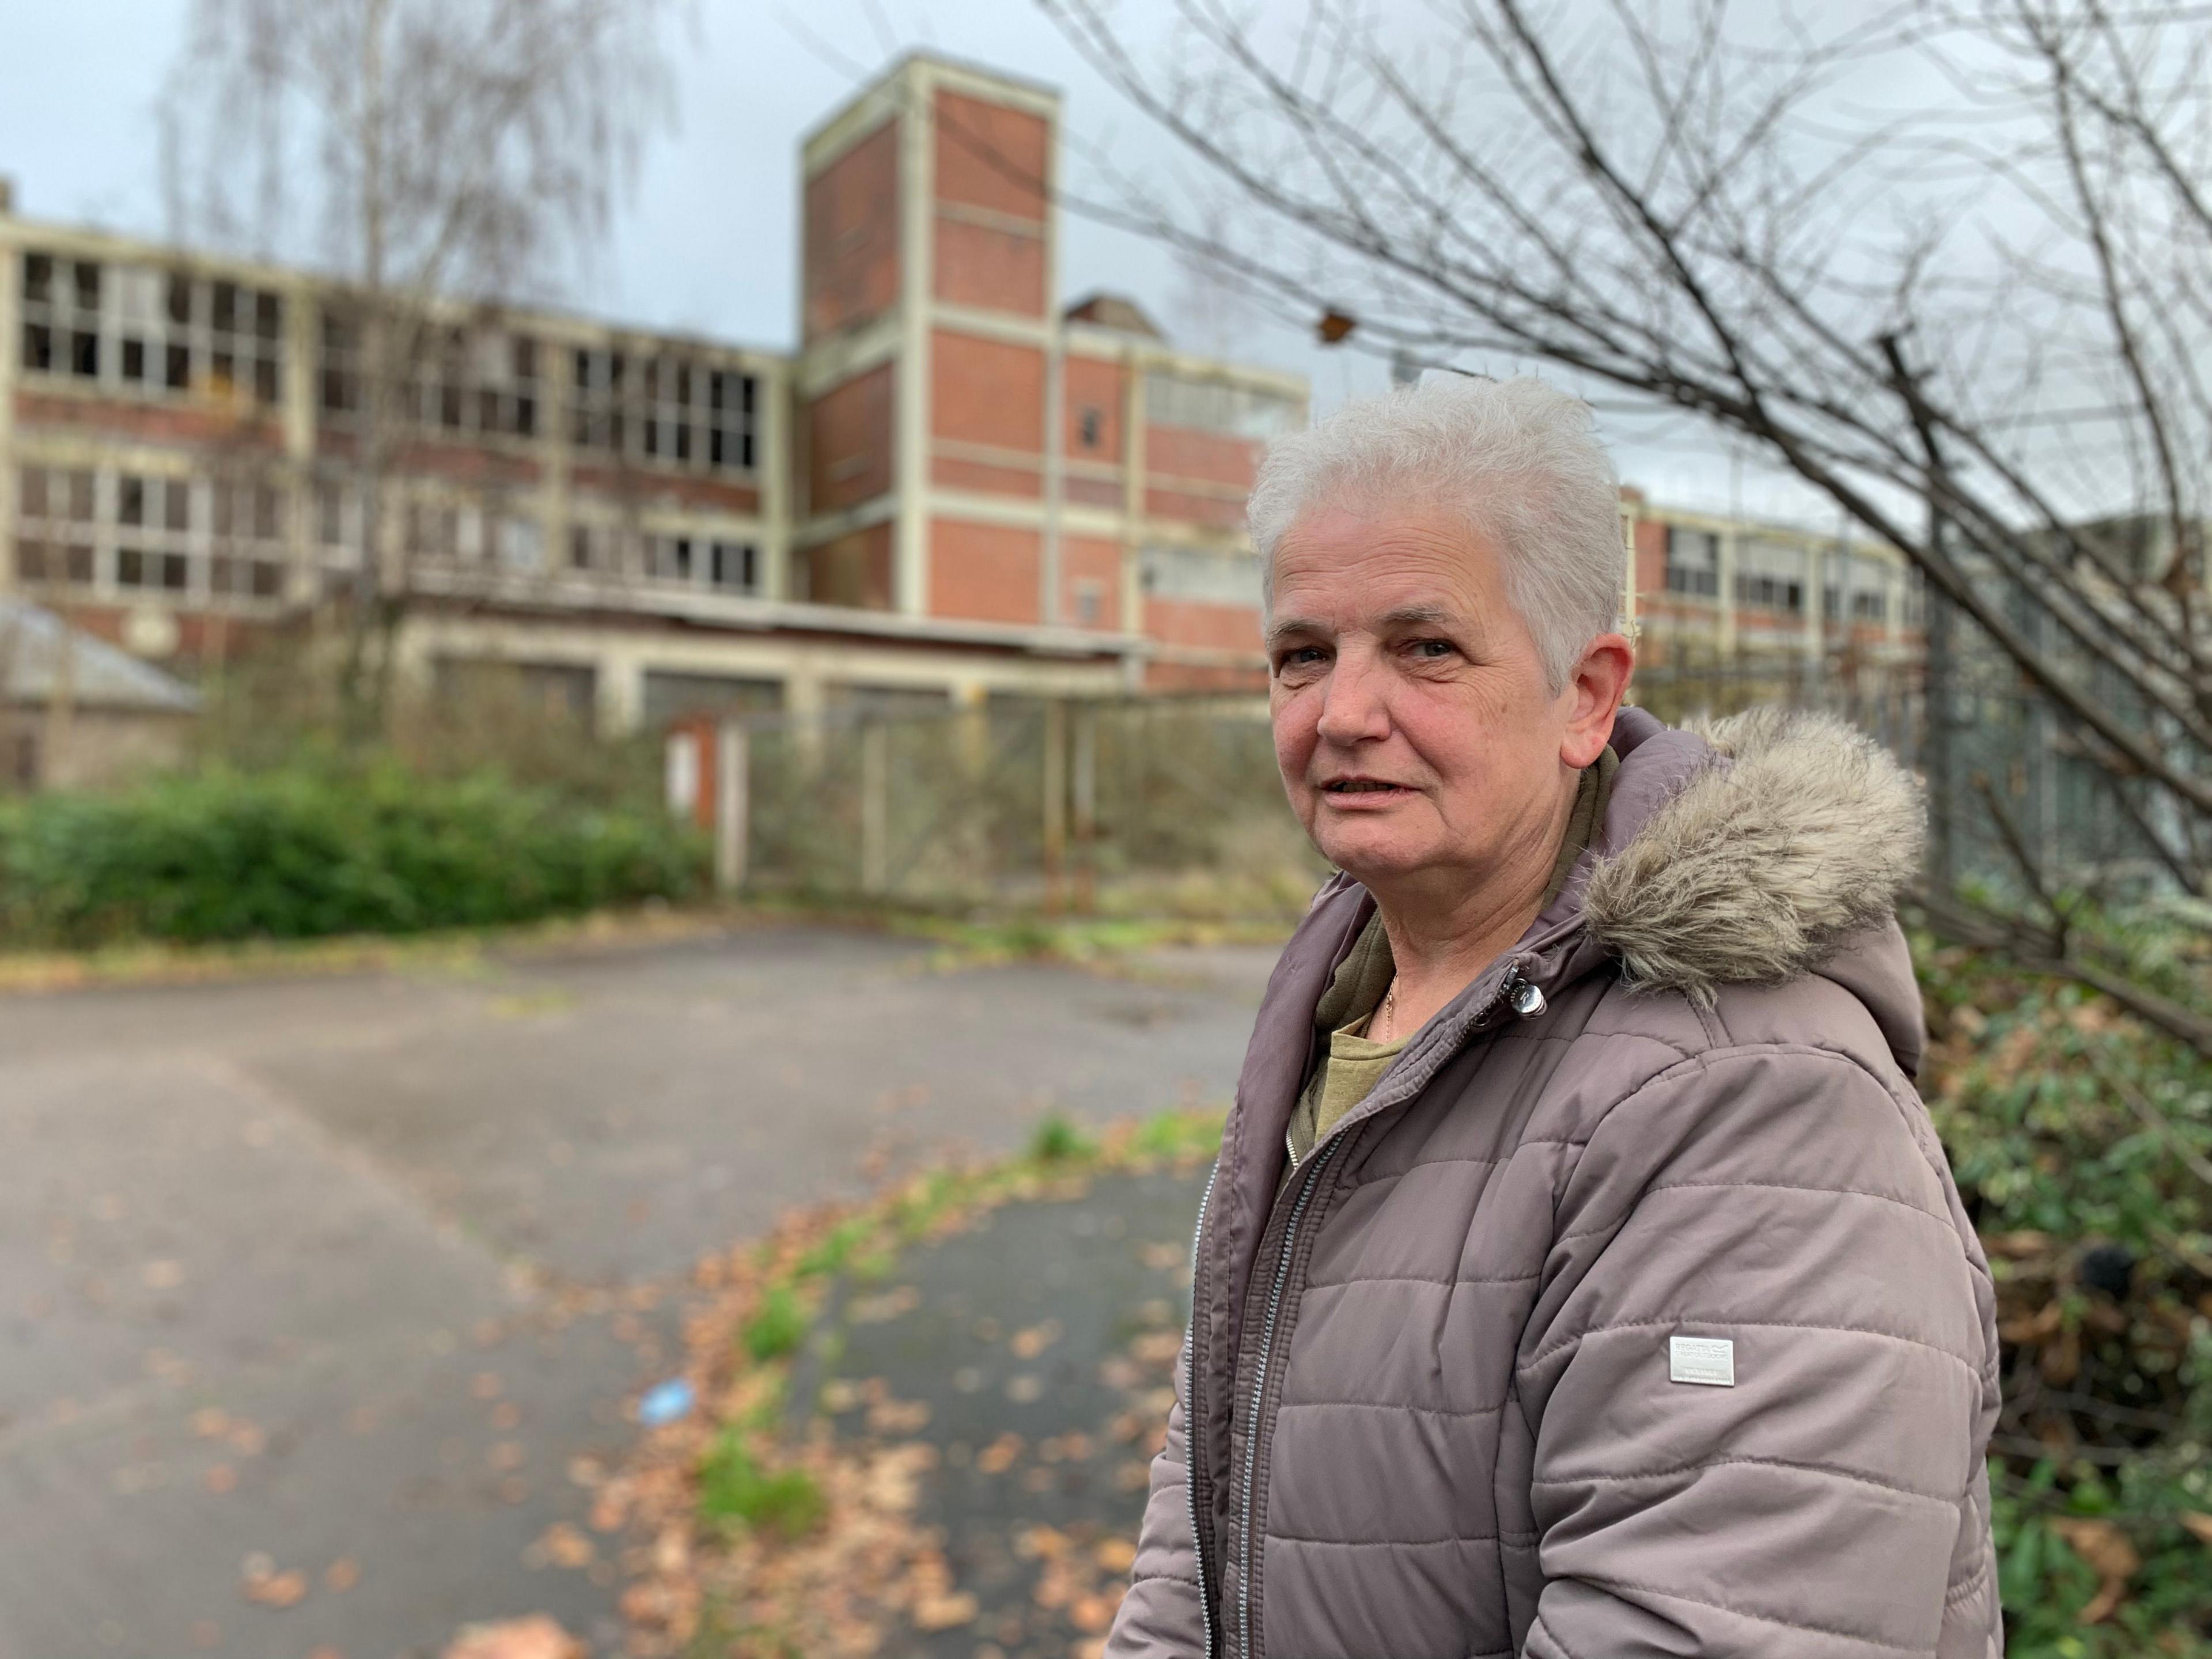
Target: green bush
[[2082, 1144], [305, 853]]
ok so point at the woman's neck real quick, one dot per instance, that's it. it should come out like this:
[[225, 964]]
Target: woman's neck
[[1444, 932]]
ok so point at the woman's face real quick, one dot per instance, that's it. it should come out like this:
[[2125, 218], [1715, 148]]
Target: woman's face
[[1412, 724]]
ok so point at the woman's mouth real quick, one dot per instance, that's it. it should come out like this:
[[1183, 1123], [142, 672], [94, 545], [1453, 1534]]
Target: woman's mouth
[[1363, 792]]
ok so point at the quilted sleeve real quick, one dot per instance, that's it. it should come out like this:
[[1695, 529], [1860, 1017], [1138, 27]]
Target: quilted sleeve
[[1161, 1616], [1760, 1377]]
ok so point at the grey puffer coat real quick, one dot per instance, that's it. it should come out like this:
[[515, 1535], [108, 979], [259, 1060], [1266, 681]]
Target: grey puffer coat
[[1635, 1312]]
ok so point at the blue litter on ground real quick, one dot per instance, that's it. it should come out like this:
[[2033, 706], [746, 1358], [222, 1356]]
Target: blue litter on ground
[[665, 1402]]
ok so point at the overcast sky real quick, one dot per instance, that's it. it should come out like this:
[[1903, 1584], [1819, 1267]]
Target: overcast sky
[[708, 241]]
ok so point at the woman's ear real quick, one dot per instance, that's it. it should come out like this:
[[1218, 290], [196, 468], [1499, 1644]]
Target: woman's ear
[[1593, 695]]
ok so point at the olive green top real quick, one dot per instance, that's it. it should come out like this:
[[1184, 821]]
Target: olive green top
[[1351, 1066]]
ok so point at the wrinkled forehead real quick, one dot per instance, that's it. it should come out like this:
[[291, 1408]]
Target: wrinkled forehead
[[1374, 562]]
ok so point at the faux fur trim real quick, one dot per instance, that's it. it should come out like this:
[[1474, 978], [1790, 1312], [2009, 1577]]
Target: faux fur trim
[[1803, 830]]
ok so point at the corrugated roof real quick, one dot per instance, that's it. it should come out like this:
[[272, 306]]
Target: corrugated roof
[[37, 648]]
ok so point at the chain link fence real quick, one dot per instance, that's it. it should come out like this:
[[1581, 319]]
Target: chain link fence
[[1155, 807], [1174, 807]]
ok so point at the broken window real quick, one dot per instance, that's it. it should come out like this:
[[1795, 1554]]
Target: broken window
[[730, 400], [668, 409], [505, 381], [596, 547], [734, 567], [60, 316], [154, 544], [55, 526], [1221, 406], [141, 326], [521, 543], [596, 412], [338, 373], [442, 531], [668, 558]]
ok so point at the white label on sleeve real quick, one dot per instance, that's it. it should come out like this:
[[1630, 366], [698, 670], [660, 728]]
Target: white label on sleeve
[[1707, 1360]]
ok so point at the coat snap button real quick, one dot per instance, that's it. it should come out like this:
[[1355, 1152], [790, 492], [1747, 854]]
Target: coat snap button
[[1528, 1000]]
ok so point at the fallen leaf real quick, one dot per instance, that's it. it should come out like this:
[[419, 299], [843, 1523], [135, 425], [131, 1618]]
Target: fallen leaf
[[1156, 1347], [209, 1421], [934, 1613], [566, 1547], [2109, 1554], [1116, 1554], [340, 1576], [1000, 1455], [1028, 1344], [485, 1385], [277, 1590], [898, 1417], [221, 1478], [534, 1637]]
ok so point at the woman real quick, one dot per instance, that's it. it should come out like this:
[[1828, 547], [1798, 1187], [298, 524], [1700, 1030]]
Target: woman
[[1581, 1277]]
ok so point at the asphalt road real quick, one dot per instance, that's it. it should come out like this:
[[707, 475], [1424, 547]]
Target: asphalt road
[[321, 1302]]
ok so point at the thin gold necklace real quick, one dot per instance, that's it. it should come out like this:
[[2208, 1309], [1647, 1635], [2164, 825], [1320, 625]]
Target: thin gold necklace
[[1390, 1008]]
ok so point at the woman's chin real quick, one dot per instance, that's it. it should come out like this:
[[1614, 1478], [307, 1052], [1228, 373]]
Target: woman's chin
[[1369, 852]]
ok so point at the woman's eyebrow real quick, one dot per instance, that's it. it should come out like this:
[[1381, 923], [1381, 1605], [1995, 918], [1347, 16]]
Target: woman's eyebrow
[[1418, 615]]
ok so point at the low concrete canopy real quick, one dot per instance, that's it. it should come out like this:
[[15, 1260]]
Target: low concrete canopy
[[40, 654]]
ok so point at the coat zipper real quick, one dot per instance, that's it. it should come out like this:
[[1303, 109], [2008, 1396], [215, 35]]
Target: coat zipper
[[1190, 1412], [1259, 1387], [1526, 1000]]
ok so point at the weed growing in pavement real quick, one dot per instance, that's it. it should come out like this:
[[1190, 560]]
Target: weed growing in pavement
[[1056, 1140], [734, 1487], [771, 1542], [778, 1328]]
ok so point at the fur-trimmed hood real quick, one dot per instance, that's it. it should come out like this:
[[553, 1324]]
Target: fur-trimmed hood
[[1790, 834]]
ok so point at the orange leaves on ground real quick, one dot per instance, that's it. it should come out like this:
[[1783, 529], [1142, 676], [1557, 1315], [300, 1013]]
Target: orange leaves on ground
[[534, 1637], [2109, 1555], [260, 1583]]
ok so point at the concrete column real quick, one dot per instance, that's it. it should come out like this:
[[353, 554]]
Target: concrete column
[[774, 408], [1133, 511], [804, 698], [555, 361], [1814, 641], [618, 684], [875, 807], [1725, 639], [917, 302], [733, 804], [1056, 804], [11, 338]]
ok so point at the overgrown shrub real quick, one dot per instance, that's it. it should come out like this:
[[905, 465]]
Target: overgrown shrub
[[299, 854], [2082, 1144]]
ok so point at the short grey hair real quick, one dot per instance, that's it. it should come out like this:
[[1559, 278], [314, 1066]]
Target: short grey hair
[[1518, 457]]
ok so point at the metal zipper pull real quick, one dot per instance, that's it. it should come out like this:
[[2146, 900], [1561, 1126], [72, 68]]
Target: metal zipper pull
[[1522, 996]]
